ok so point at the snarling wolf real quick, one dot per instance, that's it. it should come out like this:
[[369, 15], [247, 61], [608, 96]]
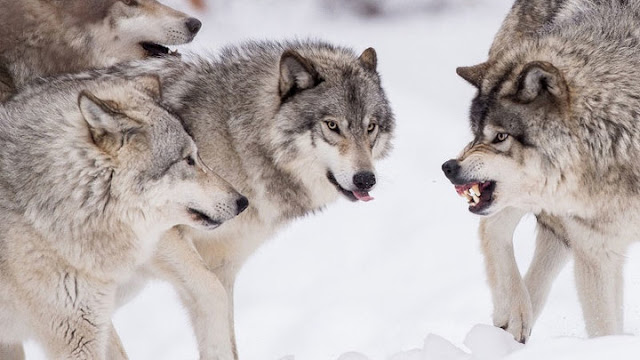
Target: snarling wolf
[[556, 133], [294, 126], [517, 302], [49, 37], [93, 172]]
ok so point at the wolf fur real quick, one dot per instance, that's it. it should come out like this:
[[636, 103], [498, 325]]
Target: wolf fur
[[294, 126], [517, 302], [48, 37], [525, 19], [556, 134], [93, 172]]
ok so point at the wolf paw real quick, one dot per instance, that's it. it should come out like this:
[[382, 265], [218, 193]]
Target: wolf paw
[[518, 321], [513, 312]]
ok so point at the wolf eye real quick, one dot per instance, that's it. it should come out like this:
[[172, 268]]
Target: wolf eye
[[371, 127], [500, 138], [190, 160], [130, 2], [332, 125]]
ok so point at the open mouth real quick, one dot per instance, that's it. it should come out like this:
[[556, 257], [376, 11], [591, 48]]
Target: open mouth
[[351, 195], [157, 50], [204, 219], [479, 195]]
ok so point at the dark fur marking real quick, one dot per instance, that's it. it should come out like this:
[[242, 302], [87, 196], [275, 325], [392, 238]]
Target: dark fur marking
[[548, 223], [482, 104]]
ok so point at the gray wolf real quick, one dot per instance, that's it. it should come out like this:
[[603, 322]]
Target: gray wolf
[[556, 134], [292, 125], [93, 172], [517, 302], [48, 37]]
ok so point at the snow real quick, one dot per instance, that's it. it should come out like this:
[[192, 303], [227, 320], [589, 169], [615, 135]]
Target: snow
[[398, 278]]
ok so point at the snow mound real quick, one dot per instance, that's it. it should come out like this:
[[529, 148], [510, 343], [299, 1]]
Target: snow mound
[[484, 342]]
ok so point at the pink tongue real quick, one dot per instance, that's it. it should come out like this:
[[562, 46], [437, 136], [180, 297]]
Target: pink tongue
[[362, 196]]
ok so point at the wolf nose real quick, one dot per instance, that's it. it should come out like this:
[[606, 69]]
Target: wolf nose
[[451, 168], [242, 203], [193, 25], [364, 180]]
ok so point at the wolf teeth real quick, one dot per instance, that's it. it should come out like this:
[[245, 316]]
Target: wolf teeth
[[472, 195]]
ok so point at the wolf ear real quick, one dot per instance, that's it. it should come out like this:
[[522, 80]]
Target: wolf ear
[[101, 118], [473, 74], [538, 78], [149, 84], [369, 59], [296, 74]]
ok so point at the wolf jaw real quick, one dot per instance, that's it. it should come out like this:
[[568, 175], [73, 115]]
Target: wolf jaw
[[479, 194], [354, 195], [156, 50], [203, 218]]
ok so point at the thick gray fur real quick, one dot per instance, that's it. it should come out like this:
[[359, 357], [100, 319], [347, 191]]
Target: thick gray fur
[[260, 114], [93, 173], [566, 93]]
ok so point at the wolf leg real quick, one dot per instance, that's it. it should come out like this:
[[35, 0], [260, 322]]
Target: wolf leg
[[511, 304], [551, 254], [11, 352], [201, 291], [76, 325], [115, 350], [599, 283]]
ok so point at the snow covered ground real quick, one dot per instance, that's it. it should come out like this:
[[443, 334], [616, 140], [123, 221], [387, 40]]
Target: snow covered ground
[[399, 278]]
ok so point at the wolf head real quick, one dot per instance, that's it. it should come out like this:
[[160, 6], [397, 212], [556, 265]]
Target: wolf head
[[135, 29], [334, 120], [155, 162], [524, 147]]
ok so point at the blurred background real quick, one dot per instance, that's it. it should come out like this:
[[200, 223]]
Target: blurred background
[[375, 278]]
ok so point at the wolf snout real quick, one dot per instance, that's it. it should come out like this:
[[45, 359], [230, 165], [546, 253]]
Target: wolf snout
[[451, 169], [241, 204], [193, 25], [364, 180]]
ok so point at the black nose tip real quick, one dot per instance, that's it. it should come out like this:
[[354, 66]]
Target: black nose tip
[[364, 180], [242, 203], [193, 25], [451, 168]]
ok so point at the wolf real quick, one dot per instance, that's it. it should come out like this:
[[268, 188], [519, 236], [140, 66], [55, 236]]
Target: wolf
[[517, 302], [555, 124], [94, 171], [49, 37], [294, 126]]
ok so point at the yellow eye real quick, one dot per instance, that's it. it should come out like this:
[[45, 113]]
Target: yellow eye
[[501, 137], [371, 127], [332, 125]]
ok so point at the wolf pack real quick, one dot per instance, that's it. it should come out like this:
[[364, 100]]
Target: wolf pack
[[121, 161]]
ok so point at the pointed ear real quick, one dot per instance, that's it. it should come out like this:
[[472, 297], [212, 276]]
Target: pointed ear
[[149, 84], [296, 74], [369, 59], [540, 78], [101, 119], [473, 74]]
